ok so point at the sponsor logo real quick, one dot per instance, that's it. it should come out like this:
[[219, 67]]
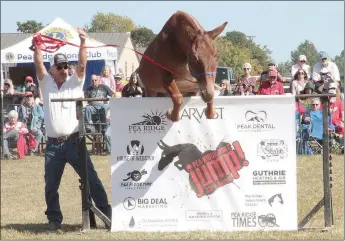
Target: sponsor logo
[[151, 222], [198, 114], [272, 150], [9, 56], [251, 220], [135, 151], [144, 203], [255, 200], [269, 177], [58, 33], [276, 200], [255, 122], [212, 215], [207, 171], [151, 123], [132, 181]]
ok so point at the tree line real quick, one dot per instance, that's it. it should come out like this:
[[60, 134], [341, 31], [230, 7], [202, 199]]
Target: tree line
[[233, 49]]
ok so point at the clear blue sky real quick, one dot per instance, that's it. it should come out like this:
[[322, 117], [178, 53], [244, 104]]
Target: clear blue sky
[[282, 26]]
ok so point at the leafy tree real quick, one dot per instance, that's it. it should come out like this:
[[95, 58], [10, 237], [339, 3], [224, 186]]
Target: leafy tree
[[110, 22], [308, 49], [339, 61], [237, 38], [30, 26], [142, 37], [284, 68]]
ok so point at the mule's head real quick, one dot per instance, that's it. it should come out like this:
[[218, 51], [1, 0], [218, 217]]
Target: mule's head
[[202, 61]]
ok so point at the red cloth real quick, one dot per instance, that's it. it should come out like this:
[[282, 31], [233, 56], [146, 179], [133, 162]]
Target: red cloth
[[266, 88], [22, 148], [336, 109], [300, 108]]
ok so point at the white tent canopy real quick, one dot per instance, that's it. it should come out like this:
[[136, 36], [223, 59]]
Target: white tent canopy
[[59, 29]]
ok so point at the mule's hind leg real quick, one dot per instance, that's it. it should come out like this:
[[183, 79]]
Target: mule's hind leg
[[177, 99]]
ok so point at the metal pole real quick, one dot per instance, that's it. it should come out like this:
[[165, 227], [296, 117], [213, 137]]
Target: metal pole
[[84, 180], [326, 166]]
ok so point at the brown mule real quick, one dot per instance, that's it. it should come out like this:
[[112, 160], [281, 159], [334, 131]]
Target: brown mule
[[185, 48]]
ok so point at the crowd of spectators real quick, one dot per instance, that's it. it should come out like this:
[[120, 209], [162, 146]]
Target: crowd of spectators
[[25, 113]]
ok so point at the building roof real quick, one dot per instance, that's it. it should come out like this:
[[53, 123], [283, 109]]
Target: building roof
[[10, 39]]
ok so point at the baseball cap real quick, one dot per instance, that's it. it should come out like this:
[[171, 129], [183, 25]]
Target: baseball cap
[[323, 55], [28, 94], [302, 57], [309, 85], [117, 76], [332, 85], [59, 59], [29, 79], [272, 74], [271, 62]]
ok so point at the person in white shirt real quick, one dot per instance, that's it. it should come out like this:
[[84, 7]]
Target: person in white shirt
[[301, 65], [62, 130], [325, 63]]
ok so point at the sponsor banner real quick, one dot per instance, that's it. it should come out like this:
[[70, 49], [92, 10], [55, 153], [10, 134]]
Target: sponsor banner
[[234, 172]]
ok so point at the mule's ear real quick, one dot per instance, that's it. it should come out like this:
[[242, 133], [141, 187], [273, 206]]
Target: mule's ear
[[215, 32]]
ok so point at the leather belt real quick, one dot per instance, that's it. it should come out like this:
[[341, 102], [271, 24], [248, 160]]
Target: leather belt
[[64, 138]]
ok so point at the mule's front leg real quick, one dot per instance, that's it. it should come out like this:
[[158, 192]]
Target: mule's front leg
[[177, 99], [210, 110]]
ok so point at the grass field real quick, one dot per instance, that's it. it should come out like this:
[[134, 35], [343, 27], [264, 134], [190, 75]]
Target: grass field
[[23, 204]]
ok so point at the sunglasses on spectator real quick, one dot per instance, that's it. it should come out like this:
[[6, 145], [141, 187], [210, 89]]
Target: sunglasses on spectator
[[324, 59], [7, 84], [314, 104], [246, 68], [302, 61], [94, 80], [60, 67], [301, 73]]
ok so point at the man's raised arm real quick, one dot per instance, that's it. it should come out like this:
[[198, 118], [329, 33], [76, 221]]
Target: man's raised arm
[[81, 67], [41, 70]]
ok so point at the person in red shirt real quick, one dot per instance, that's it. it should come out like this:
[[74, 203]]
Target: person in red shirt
[[271, 86], [336, 107]]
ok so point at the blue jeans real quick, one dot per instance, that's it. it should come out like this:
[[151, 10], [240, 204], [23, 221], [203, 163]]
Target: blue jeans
[[107, 141], [38, 136], [56, 156], [10, 140], [99, 109]]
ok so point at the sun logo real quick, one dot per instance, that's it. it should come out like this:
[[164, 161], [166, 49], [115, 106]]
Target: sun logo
[[9, 56], [58, 33]]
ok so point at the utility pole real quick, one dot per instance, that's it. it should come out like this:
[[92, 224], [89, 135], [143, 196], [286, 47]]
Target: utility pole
[[251, 44]]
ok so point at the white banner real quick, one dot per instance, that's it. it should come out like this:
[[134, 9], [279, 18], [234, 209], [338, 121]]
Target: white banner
[[235, 172]]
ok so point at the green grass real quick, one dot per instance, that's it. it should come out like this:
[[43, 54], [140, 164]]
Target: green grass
[[23, 204]]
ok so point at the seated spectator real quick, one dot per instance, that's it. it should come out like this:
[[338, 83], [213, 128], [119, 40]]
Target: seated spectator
[[32, 116], [271, 86], [118, 83], [107, 134], [12, 129], [8, 87], [337, 109], [315, 106], [225, 88], [301, 65], [106, 78], [28, 86], [323, 81], [308, 90], [331, 67], [71, 69], [299, 82], [132, 89], [96, 90]]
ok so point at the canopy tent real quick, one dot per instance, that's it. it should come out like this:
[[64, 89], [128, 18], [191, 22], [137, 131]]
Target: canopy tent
[[59, 29]]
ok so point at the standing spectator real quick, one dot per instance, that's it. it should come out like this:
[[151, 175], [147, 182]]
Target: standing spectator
[[271, 86], [8, 87], [107, 134], [246, 80], [61, 124], [271, 67], [301, 65], [132, 89], [28, 86], [300, 79], [12, 129], [325, 63], [106, 78], [32, 115], [118, 83], [96, 90]]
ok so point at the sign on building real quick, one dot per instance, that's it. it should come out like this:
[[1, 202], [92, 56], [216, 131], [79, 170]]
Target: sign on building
[[234, 172]]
